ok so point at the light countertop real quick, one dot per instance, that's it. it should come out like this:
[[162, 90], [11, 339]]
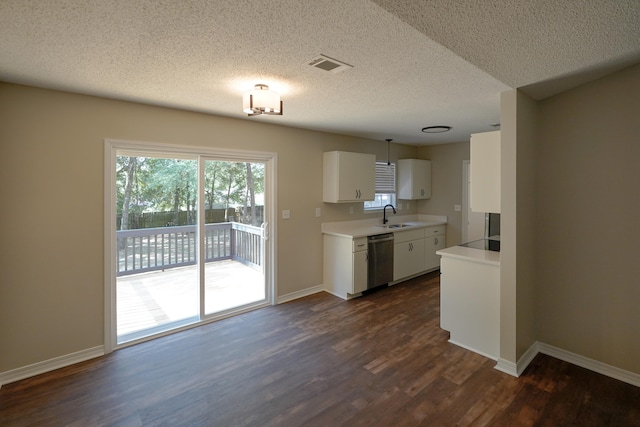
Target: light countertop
[[471, 254], [371, 227]]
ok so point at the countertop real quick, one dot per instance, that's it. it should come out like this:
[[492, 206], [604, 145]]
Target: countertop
[[471, 254], [371, 227]]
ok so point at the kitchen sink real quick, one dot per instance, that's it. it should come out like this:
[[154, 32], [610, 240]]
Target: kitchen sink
[[394, 226]]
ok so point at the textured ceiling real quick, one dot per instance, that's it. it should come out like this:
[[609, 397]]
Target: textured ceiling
[[415, 63]]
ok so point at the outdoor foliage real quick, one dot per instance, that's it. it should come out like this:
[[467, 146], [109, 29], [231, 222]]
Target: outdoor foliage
[[150, 184]]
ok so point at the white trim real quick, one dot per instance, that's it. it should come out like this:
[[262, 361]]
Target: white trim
[[111, 146], [516, 369], [591, 364], [50, 365], [569, 357], [300, 294], [109, 326]]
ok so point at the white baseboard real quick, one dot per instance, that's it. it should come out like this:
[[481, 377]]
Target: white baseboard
[[593, 365], [507, 367], [590, 364], [300, 294], [516, 369], [50, 365]]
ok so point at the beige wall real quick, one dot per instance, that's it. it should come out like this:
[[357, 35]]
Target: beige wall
[[588, 205], [446, 185], [51, 271], [526, 231], [508, 224]]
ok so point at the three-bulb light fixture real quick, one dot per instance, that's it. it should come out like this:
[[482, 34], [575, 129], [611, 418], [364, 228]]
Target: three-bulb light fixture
[[261, 101]]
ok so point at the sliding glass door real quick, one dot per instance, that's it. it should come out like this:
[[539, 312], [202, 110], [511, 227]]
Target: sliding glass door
[[189, 236]]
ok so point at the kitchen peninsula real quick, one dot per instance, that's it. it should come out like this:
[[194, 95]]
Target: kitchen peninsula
[[470, 298]]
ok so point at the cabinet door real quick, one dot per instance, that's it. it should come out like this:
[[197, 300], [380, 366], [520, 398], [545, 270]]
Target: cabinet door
[[408, 258], [485, 172], [414, 179], [348, 177], [431, 245], [359, 172], [360, 260]]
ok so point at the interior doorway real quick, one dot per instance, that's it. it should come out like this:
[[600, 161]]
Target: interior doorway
[[188, 233]]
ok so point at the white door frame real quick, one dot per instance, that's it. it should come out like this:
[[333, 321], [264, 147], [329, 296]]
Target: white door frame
[[110, 148]]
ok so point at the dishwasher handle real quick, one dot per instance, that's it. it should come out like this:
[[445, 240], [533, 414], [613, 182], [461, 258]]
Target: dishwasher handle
[[381, 238]]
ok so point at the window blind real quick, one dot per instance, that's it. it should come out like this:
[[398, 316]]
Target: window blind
[[385, 178]]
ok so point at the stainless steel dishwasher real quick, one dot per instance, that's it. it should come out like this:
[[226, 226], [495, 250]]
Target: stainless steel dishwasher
[[380, 266]]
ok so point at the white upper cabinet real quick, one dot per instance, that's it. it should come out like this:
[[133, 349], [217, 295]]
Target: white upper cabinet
[[348, 177], [485, 172], [414, 179]]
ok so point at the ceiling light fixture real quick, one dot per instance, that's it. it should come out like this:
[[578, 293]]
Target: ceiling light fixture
[[436, 129], [261, 100]]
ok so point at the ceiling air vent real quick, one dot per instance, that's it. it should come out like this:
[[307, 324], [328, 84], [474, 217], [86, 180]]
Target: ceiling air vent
[[328, 64]]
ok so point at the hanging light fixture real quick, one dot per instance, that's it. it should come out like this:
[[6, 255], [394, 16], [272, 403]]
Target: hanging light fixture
[[261, 100]]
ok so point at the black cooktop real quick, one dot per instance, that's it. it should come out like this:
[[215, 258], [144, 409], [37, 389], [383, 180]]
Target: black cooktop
[[485, 244]]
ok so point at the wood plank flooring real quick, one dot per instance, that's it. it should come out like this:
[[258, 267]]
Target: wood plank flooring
[[379, 360]]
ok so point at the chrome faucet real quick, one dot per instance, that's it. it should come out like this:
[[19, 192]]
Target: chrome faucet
[[384, 213]]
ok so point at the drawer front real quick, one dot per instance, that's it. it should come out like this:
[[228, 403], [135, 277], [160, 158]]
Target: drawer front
[[406, 236], [437, 230], [360, 244]]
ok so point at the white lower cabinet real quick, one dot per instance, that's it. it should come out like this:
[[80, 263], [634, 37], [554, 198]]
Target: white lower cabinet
[[360, 260], [408, 253], [346, 259], [345, 265], [434, 240], [415, 251]]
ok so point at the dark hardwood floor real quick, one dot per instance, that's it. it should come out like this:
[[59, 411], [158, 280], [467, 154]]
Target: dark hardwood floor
[[379, 360]]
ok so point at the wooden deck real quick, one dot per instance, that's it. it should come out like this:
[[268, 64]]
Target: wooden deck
[[150, 300]]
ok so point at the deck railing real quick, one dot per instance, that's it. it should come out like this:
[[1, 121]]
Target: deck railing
[[151, 249]]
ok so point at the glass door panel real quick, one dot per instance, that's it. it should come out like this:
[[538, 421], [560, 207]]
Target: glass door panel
[[233, 236], [156, 232]]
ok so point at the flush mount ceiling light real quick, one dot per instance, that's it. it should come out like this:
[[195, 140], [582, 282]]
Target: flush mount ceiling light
[[261, 100], [436, 129]]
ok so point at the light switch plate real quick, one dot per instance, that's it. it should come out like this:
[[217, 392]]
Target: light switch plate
[[286, 214], [457, 208], [318, 212]]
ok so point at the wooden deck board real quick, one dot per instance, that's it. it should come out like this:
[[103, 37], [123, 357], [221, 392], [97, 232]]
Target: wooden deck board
[[148, 300]]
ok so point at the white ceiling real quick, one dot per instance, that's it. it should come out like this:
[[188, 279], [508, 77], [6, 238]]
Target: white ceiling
[[415, 63]]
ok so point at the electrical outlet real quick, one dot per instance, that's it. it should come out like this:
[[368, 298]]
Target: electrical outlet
[[286, 214], [351, 210], [399, 206], [318, 212], [457, 208]]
